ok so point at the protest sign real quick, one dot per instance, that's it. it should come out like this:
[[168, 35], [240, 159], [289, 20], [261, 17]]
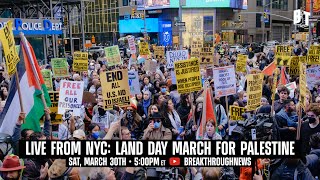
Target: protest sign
[[115, 88], [132, 45], [303, 86], [224, 81], [144, 48], [236, 113], [294, 66], [314, 50], [196, 46], [173, 56], [209, 72], [313, 76], [206, 55], [303, 59], [188, 75], [282, 55], [241, 63], [313, 59], [113, 55], [55, 117], [275, 81], [173, 77], [59, 67], [47, 77], [159, 51], [80, 61], [70, 96], [134, 82], [9, 48], [254, 90]]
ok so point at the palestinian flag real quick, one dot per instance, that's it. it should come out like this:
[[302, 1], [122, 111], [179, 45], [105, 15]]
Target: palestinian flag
[[32, 85]]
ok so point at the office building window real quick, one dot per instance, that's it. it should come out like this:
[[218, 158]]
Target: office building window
[[258, 20], [125, 2], [259, 2], [280, 4]]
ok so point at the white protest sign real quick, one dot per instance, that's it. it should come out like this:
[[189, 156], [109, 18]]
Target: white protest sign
[[132, 45], [70, 97], [224, 81], [173, 56], [134, 84], [313, 76], [173, 77]]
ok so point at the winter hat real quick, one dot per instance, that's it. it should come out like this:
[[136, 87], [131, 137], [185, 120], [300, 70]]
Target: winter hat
[[11, 163]]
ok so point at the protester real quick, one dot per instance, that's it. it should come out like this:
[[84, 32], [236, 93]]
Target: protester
[[287, 120], [283, 94], [11, 167], [210, 132], [156, 130]]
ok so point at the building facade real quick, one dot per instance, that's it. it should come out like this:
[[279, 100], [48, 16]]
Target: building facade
[[277, 26]]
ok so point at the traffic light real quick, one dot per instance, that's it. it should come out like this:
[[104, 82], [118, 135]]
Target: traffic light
[[65, 21], [265, 15], [133, 11], [239, 17]]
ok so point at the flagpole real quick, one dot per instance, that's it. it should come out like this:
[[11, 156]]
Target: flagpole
[[299, 123], [23, 40], [19, 92], [204, 109]]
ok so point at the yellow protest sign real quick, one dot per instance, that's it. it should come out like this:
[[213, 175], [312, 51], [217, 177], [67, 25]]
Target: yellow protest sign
[[144, 48], [254, 90], [236, 113], [80, 61], [314, 50], [55, 117], [206, 55], [313, 59], [303, 85], [283, 55], [275, 81], [158, 52], [9, 48], [241, 63], [294, 66], [188, 75], [303, 59], [115, 88]]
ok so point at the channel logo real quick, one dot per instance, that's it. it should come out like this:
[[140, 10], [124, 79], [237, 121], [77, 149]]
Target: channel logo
[[174, 161]]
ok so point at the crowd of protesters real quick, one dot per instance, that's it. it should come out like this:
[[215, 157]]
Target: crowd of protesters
[[159, 112]]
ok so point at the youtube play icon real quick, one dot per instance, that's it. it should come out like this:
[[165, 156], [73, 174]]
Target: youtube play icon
[[174, 161]]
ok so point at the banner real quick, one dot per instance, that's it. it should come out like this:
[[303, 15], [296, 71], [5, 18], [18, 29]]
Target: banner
[[313, 76], [134, 83], [59, 67], [173, 56], [80, 61], [188, 75], [236, 113], [132, 45], [282, 55], [9, 48], [241, 63], [113, 55], [254, 90], [151, 66], [55, 117], [294, 69], [224, 81], [70, 97], [47, 77], [159, 52], [115, 88], [144, 48], [303, 86]]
